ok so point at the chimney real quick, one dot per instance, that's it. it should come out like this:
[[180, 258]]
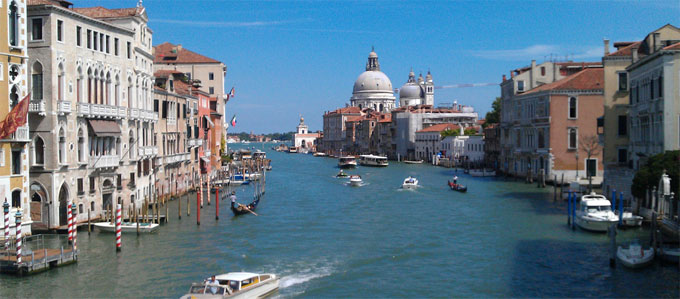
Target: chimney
[[634, 53], [504, 78], [179, 47], [556, 69], [606, 47], [512, 74]]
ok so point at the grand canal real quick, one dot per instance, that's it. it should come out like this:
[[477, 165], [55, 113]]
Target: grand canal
[[326, 239]]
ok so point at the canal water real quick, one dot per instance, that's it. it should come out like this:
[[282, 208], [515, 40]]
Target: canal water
[[326, 239]]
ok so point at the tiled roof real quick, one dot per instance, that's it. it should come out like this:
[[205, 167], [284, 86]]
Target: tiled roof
[[675, 46], [165, 73], [352, 118], [626, 50], [439, 128], [169, 53], [49, 2], [346, 110], [385, 118], [587, 79], [99, 12]]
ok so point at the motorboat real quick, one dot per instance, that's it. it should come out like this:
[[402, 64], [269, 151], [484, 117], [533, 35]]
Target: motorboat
[[342, 175], [635, 256], [595, 213], [457, 187], [320, 154], [292, 150], [482, 172], [127, 227], [235, 285], [347, 162], [628, 219], [371, 160], [258, 154], [355, 180], [670, 254], [413, 162], [410, 183]]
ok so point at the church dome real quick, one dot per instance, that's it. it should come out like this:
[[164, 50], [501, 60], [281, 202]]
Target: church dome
[[409, 91], [372, 81]]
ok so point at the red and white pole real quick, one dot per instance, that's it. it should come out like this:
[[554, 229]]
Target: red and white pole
[[74, 213], [6, 223], [69, 219], [118, 227], [217, 203], [18, 230], [198, 206]]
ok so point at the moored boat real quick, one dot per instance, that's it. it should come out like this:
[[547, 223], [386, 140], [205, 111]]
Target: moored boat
[[635, 256], [410, 183], [631, 220], [482, 172], [127, 227], [372, 160], [669, 254], [292, 150], [595, 213], [413, 162], [320, 154], [347, 162], [240, 209], [355, 180], [235, 285], [457, 187]]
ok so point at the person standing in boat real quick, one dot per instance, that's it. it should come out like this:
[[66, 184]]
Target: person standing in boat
[[455, 180]]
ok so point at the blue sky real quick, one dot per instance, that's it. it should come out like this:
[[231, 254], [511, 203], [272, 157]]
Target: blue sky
[[287, 58]]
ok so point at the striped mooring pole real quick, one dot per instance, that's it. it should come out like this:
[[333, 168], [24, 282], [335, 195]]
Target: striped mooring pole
[[18, 230], [69, 219], [6, 223], [118, 228], [74, 213]]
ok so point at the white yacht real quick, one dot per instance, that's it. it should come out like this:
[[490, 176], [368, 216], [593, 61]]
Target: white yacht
[[371, 160], [127, 227], [631, 220], [635, 256], [410, 183], [347, 162], [595, 213], [355, 180], [235, 285]]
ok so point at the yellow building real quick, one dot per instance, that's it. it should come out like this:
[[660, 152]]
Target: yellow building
[[13, 88]]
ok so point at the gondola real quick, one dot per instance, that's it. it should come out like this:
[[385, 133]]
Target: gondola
[[457, 187], [237, 209]]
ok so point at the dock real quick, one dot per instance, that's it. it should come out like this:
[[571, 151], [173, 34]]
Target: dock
[[39, 253]]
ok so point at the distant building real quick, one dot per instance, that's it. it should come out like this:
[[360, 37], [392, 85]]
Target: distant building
[[492, 146], [464, 149], [428, 141], [373, 89], [334, 130], [419, 92], [303, 139]]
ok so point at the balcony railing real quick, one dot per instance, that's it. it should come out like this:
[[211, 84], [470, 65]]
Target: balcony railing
[[98, 110], [20, 135], [175, 158], [63, 107], [37, 107], [105, 161], [134, 113], [206, 153]]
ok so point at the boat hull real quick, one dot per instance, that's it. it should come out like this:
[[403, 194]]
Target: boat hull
[[259, 291], [355, 183], [409, 186], [131, 228], [670, 255], [634, 261], [457, 187], [346, 165], [413, 162], [599, 226]]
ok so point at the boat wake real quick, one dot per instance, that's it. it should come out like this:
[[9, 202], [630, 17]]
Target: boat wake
[[299, 278]]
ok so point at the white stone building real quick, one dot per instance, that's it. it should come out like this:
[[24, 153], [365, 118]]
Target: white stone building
[[373, 89], [303, 140], [414, 93], [462, 149], [91, 115]]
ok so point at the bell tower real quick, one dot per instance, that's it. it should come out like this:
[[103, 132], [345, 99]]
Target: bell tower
[[372, 64], [429, 89]]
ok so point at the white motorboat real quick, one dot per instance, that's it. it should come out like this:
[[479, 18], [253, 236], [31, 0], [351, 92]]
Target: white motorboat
[[595, 213], [635, 256], [320, 154], [413, 162], [292, 150], [410, 183], [371, 160], [347, 162], [669, 254], [355, 180], [127, 227], [235, 285], [631, 220]]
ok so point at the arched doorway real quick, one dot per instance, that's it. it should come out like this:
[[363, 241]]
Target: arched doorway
[[63, 201], [39, 204]]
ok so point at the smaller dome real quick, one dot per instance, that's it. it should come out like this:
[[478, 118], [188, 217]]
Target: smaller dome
[[372, 54], [409, 91]]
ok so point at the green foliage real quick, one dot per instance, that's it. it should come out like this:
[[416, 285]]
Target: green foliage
[[449, 132], [274, 136], [494, 116], [223, 143], [649, 174], [470, 131]]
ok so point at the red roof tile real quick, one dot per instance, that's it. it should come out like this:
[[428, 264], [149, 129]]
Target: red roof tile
[[385, 118], [49, 2], [352, 118], [168, 53], [627, 50], [439, 128], [587, 79], [99, 12], [165, 73]]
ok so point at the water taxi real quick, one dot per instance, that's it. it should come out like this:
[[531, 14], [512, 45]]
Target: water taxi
[[355, 180], [410, 183], [347, 162], [235, 285], [595, 213], [127, 227], [371, 160]]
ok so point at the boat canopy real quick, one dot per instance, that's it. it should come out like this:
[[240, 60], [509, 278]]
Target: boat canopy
[[373, 157], [236, 276]]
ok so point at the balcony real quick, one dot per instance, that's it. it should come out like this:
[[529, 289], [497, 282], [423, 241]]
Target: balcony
[[133, 113], [37, 107], [98, 110], [63, 107], [206, 153], [20, 135], [176, 158], [195, 142], [105, 161]]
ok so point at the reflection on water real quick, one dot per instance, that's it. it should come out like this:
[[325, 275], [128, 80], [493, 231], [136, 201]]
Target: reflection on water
[[326, 239]]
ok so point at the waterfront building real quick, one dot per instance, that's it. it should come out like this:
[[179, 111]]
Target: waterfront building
[[373, 89], [334, 129], [91, 113], [14, 154], [381, 139], [217, 134], [544, 128], [428, 141], [492, 147], [178, 137], [464, 149], [208, 72], [419, 92], [303, 139], [407, 120]]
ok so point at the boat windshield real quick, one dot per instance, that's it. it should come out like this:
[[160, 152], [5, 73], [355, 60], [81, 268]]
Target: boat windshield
[[593, 209], [198, 289]]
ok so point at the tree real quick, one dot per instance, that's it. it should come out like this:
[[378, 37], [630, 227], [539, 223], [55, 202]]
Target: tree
[[449, 132], [223, 144], [591, 146], [650, 173], [493, 116], [470, 131]]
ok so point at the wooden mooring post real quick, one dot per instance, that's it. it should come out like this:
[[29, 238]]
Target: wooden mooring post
[[89, 229], [611, 231]]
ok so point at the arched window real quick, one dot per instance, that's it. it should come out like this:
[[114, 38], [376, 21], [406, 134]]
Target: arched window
[[60, 83], [81, 145], [129, 93], [13, 24], [108, 89], [89, 86], [102, 82], [62, 146], [79, 87], [116, 92], [13, 97], [573, 138], [16, 199], [131, 151], [573, 107], [38, 151], [37, 81], [381, 107], [118, 150]]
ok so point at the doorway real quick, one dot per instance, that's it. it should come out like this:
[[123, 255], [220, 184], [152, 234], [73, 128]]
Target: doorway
[[591, 167], [63, 201]]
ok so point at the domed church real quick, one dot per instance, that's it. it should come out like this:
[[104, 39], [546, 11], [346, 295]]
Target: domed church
[[373, 89], [416, 93]]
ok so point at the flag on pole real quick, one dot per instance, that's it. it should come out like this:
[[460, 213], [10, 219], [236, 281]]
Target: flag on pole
[[15, 119], [231, 92], [233, 120]]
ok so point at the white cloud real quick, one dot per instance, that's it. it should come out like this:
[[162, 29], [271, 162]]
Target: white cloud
[[541, 51], [227, 24]]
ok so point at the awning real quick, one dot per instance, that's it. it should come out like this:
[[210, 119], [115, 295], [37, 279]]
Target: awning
[[206, 160], [104, 128], [209, 121]]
